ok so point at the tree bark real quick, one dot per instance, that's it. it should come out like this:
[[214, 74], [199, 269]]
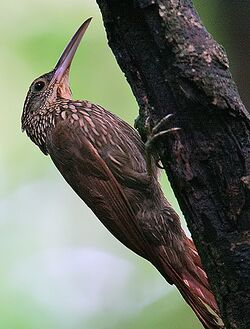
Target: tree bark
[[174, 66]]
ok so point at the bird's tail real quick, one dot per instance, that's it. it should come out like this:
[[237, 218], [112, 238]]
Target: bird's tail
[[191, 280]]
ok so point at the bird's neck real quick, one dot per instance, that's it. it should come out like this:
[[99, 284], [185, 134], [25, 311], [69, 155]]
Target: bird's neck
[[41, 122]]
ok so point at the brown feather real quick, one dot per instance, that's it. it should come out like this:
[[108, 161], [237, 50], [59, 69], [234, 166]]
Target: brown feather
[[154, 232], [81, 166], [105, 162]]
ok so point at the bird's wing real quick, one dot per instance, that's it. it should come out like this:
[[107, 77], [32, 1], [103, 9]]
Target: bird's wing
[[90, 177], [125, 169], [86, 172]]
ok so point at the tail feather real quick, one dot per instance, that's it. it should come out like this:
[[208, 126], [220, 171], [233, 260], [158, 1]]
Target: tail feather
[[191, 281], [201, 301]]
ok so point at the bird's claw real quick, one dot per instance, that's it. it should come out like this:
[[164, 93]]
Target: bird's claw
[[154, 135], [156, 131]]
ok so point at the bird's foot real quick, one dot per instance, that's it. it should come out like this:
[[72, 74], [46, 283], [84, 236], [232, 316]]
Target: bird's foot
[[156, 133]]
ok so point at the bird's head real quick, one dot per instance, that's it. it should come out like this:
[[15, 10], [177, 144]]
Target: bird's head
[[45, 90]]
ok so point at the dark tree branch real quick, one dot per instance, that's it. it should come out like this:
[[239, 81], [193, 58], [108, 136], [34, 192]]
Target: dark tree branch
[[174, 66]]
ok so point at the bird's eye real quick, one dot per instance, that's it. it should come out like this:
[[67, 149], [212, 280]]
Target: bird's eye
[[39, 85]]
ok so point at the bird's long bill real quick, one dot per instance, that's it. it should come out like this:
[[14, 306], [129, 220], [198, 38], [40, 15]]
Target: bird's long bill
[[67, 56]]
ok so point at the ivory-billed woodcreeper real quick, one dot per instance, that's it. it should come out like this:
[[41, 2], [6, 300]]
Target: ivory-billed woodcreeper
[[104, 160]]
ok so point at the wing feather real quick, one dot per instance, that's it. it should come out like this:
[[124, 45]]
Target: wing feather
[[89, 176]]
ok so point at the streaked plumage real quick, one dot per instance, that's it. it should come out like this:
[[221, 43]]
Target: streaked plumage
[[104, 161]]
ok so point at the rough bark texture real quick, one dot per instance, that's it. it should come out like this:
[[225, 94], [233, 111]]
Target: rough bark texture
[[174, 66]]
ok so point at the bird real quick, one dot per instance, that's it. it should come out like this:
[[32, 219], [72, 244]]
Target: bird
[[106, 163]]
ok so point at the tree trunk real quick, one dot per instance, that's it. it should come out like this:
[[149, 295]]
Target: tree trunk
[[174, 66]]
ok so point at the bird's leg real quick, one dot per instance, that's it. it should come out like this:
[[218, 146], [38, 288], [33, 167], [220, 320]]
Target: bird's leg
[[155, 134], [156, 131]]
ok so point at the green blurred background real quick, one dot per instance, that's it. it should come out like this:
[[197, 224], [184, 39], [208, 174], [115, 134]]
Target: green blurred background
[[59, 267]]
